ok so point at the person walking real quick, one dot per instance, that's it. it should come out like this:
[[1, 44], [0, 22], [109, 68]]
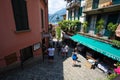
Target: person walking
[[44, 51], [74, 56], [51, 52], [63, 51], [66, 50]]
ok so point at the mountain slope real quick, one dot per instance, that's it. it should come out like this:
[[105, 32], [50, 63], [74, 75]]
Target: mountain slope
[[56, 17]]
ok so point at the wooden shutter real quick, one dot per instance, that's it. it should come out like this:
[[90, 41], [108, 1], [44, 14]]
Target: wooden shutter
[[20, 14], [42, 18]]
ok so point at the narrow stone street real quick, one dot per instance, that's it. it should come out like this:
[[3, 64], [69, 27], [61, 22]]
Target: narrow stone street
[[60, 69]]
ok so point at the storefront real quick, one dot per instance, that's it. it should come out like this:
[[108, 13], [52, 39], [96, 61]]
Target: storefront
[[98, 46]]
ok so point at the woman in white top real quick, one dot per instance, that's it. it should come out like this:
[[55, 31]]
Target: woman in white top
[[66, 50], [51, 51]]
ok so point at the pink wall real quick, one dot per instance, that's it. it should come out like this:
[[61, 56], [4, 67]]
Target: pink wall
[[12, 41]]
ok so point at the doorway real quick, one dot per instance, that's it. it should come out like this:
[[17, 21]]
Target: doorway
[[26, 53], [92, 24]]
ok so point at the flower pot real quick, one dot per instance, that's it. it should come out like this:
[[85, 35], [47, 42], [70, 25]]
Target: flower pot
[[99, 35]]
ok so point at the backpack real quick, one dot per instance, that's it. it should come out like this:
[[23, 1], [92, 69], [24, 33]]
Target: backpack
[[74, 57]]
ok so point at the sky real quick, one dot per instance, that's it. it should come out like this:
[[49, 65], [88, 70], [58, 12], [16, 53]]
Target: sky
[[55, 5]]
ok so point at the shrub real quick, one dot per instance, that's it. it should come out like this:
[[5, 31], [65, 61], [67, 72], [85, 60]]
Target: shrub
[[100, 25], [116, 43], [112, 27], [112, 76], [69, 26], [58, 33]]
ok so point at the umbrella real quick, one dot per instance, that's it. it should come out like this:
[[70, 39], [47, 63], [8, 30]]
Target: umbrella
[[117, 70]]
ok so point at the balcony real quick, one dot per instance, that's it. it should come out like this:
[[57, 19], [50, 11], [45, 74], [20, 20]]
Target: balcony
[[68, 1], [109, 8], [72, 4]]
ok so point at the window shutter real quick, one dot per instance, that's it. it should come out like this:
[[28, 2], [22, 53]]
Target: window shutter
[[42, 18], [20, 14]]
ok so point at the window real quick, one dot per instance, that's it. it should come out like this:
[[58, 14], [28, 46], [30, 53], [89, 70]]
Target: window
[[42, 18], [20, 14], [45, 1], [95, 4], [70, 15], [114, 18], [116, 1]]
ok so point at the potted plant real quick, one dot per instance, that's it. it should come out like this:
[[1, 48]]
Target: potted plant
[[112, 76], [85, 25], [74, 25], [100, 26], [64, 25], [112, 27], [116, 44]]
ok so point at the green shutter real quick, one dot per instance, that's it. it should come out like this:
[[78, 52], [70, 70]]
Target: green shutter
[[74, 14], [68, 15], [116, 1], [95, 4], [42, 18], [80, 11]]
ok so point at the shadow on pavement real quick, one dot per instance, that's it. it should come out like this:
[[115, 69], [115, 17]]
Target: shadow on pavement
[[36, 69]]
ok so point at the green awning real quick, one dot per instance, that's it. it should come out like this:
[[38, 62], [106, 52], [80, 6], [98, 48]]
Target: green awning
[[101, 47]]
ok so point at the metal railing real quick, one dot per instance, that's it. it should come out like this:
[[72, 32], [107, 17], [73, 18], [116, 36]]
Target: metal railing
[[73, 3]]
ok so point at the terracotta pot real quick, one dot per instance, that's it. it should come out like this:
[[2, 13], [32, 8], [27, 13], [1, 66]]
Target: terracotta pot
[[99, 35]]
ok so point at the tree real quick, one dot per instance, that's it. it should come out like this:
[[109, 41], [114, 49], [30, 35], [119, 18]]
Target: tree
[[58, 33]]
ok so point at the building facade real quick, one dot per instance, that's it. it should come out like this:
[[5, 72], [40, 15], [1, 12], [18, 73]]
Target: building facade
[[75, 9], [23, 24], [108, 10]]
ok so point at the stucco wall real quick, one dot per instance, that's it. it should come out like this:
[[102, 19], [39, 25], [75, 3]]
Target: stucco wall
[[12, 41]]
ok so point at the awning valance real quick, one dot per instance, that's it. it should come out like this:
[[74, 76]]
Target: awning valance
[[101, 47]]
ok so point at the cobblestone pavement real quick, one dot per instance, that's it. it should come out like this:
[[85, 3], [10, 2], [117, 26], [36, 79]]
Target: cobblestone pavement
[[60, 69]]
